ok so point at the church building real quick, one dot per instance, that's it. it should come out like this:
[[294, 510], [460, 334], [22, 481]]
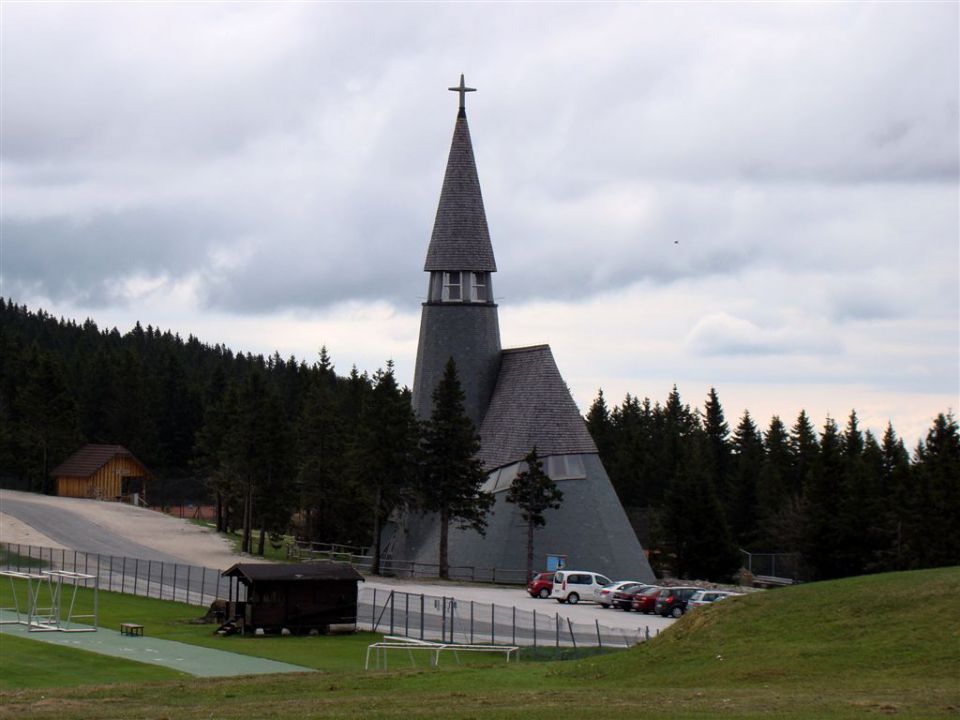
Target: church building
[[515, 397]]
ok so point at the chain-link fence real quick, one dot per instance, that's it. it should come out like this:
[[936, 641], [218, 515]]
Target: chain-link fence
[[393, 612]]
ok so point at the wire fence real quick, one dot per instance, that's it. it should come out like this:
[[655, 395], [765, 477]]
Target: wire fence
[[393, 612], [191, 584], [447, 619]]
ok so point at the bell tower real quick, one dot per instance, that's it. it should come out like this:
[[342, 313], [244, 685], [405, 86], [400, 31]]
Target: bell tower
[[459, 319]]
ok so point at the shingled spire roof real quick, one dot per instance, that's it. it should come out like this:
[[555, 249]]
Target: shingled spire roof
[[531, 405], [460, 240]]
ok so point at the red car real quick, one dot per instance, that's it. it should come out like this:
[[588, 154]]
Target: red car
[[540, 585], [646, 601]]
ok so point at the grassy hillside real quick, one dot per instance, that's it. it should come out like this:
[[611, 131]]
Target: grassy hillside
[[885, 645]]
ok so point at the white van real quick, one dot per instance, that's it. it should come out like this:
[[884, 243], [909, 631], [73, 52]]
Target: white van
[[572, 586]]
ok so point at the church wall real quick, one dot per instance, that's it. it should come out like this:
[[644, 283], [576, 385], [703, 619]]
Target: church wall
[[590, 528], [471, 335]]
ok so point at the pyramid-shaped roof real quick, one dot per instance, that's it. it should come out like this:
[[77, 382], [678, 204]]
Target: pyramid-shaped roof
[[461, 239], [531, 405]]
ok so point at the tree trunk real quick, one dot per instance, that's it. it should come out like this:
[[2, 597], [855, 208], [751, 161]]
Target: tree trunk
[[529, 549], [247, 518], [263, 535], [375, 561], [444, 532], [221, 521]]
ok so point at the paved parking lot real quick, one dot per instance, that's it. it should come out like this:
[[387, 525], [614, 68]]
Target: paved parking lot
[[582, 612]]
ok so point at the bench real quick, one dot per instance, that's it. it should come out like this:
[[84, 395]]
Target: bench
[[131, 629]]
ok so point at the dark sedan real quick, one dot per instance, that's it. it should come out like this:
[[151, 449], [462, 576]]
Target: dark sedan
[[623, 598], [646, 601]]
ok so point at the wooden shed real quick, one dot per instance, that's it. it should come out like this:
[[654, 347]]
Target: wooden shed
[[297, 597], [103, 472]]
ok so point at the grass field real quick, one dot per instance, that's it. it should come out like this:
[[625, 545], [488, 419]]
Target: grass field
[[875, 646]]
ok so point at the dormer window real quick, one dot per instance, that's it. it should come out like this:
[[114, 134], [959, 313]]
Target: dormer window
[[452, 288]]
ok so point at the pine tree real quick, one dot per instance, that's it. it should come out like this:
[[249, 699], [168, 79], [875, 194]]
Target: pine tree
[[935, 529], [384, 454], [534, 492], [453, 475], [743, 478]]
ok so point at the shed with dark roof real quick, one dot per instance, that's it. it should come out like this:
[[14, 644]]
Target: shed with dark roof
[[297, 597], [102, 472]]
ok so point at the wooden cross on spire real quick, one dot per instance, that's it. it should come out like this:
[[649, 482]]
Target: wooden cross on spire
[[463, 90]]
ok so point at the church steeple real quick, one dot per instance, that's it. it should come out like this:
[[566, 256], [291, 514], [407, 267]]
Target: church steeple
[[461, 239], [459, 318]]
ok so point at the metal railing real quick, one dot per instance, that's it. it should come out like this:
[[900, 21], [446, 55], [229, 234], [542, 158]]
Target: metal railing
[[363, 561]]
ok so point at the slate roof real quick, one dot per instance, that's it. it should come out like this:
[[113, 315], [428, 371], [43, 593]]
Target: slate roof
[[461, 239], [90, 458], [257, 572], [531, 405]]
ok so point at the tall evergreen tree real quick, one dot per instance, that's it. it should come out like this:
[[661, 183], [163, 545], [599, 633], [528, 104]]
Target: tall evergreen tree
[[384, 454], [534, 492], [743, 478], [936, 538], [453, 475]]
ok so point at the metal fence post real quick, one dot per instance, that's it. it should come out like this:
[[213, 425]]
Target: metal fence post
[[149, 573], [557, 628], [406, 615], [136, 574], [599, 639], [493, 623], [573, 639], [514, 641], [187, 597], [373, 611], [471, 622], [123, 575], [443, 620], [110, 574], [421, 615], [160, 593], [392, 600], [534, 628]]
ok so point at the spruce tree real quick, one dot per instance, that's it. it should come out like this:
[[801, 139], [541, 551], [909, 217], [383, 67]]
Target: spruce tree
[[534, 492], [383, 456], [452, 473]]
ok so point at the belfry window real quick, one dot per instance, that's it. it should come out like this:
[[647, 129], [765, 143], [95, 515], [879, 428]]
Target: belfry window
[[452, 288], [479, 289]]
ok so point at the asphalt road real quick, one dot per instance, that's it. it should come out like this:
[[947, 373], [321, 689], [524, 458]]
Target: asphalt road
[[78, 533]]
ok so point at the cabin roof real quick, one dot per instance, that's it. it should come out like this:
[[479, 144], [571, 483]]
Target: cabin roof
[[266, 572], [90, 458]]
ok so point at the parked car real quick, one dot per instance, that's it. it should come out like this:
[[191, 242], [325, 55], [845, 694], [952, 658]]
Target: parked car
[[623, 599], [604, 595], [540, 585], [672, 601], [572, 586], [706, 597], [645, 601]]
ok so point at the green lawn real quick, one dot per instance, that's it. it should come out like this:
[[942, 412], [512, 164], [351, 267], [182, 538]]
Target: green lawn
[[876, 646]]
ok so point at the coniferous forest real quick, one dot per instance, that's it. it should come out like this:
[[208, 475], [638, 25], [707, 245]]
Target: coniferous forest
[[285, 445]]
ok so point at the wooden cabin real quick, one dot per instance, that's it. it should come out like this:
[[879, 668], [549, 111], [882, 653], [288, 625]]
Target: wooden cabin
[[299, 598], [102, 472]]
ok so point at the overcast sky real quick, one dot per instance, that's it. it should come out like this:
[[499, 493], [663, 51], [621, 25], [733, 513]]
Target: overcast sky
[[759, 197]]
